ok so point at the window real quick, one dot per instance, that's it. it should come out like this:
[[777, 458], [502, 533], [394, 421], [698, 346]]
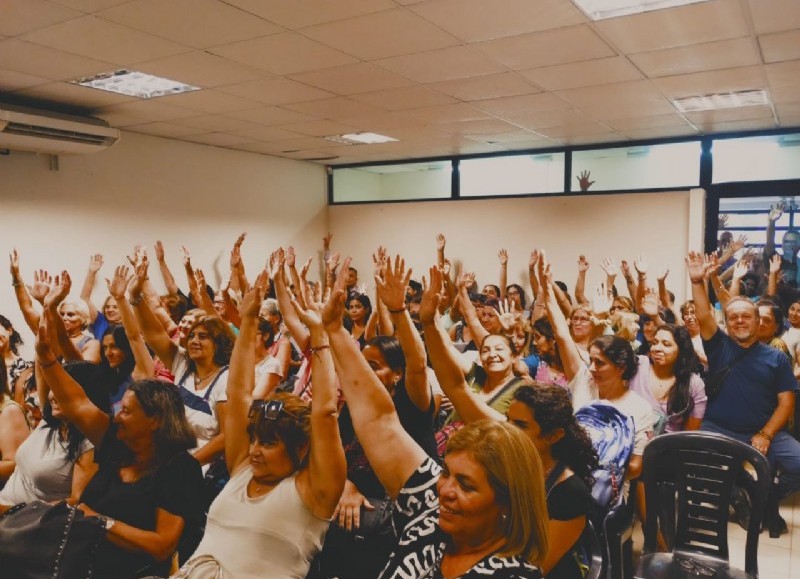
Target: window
[[772, 157], [512, 175], [430, 180]]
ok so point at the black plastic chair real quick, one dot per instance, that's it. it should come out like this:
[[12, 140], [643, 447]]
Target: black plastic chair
[[591, 551], [693, 474], [617, 537]]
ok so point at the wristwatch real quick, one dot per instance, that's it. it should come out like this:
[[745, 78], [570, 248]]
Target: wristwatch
[[108, 522]]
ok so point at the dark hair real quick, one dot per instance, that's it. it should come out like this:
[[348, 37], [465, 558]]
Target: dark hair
[[551, 408], [494, 287], [86, 375], [265, 329], [15, 340], [222, 336], [679, 402], [753, 278], [162, 400], [364, 301], [507, 340], [5, 391], [292, 426], [415, 286], [112, 378], [543, 326], [777, 313], [392, 352], [619, 352], [564, 289], [522, 297]]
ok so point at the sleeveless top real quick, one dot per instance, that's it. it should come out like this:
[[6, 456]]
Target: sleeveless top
[[273, 536]]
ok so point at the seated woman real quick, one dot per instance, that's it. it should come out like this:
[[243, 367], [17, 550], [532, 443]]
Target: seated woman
[[56, 461], [286, 462], [17, 368], [668, 379], [148, 490], [544, 414], [770, 325], [549, 368], [14, 427], [99, 320], [269, 371], [481, 514], [76, 321], [689, 319], [359, 310]]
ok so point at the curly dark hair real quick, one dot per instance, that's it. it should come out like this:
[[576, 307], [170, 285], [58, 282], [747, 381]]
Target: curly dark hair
[[620, 353], [113, 378], [551, 408], [15, 340], [222, 335], [679, 402], [162, 400], [523, 300]]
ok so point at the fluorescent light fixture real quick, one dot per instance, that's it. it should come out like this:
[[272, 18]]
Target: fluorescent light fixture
[[136, 84], [730, 100], [360, 139], [602, 9]]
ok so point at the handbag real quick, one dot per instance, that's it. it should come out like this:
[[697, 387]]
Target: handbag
[[43, 541], [714, 381], [202, 567]]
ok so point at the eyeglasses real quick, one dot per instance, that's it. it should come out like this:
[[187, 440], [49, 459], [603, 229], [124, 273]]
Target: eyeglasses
[[269, 409], [578, 319]]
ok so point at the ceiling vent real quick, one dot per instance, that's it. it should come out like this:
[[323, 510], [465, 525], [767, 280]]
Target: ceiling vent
[[23, 129]]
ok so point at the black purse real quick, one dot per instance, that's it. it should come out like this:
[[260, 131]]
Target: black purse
[[43, 541]]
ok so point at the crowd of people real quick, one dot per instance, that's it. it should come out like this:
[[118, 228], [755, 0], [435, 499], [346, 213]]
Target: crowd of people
[[259, 427]]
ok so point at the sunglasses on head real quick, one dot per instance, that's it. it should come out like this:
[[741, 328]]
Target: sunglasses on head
[[269, 409]]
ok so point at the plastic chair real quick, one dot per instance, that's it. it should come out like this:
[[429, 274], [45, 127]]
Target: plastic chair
[[617, 537], [695, 473], [592, 551]]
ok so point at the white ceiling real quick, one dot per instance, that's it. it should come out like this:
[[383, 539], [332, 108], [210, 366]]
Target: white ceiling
[[444, 77]]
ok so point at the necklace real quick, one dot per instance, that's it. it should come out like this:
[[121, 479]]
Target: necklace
[[198, 379]]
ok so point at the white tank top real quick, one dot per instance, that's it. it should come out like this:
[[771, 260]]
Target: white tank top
[[272, 536]]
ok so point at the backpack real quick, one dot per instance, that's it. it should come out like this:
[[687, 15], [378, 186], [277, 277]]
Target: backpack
[[612, 434]]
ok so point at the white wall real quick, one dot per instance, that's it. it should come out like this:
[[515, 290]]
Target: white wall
[[147, 188], [655, 224]]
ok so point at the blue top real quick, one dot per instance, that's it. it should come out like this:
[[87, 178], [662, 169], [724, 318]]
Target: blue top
[[749, 395], [99, 326]]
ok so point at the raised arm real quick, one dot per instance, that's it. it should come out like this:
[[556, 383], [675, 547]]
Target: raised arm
[[145, 367], [327, 466], [568, 351], [700, 267], [392, 292], [580, 282], [75, 405], [374, 418], [641, 266], [58, 291], [166, 274], [630, 282], [502, 255], [445, 360], [29, 313], [296, 327], [774, 272], [775, 213], [476, 329], [95, 263], [739, 271], [238, 278], [612, 270], [154, 333]]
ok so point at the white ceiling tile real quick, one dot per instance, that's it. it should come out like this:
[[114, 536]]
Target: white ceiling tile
[[692, 24], [209, 101], [537, 120], [586, 73], [377, 122], [774, 15], [333, 108], [322, 128], [785, 94], [164, 130], [263, 133], [293, 14], [213, 124], [478, 127], [447, 113], [271, 116], [75, 95], [47, 62], [789, 114], [618, 100], [783, 73], [382, 34], [699, 83], [217, 139], [765, 123], [564, 132], [486, 87], [197, 23], [440, 65], [201, 69], [139, 112], [593, 139], [698, 57], [91, 36], [471, 21], [661, 132], [21, 16], [521, 104], [352, 79], [780, 46], [639, 123], [706, 119], [11, 80], [561, 46], [284, 53], [276, 91], [89, 6], [404, 98]]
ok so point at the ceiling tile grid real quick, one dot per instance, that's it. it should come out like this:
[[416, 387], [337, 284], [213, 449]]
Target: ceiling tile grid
[[442, 76]]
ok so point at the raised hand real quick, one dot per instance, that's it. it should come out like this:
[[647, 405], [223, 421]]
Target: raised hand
[[641, 265], [507, 315], [775, 263], [610, 267], [95, 262], [251, 301], [650, 302], [775, 211], [740, 269], [738, 243], [465, 280], [41, 285], [392, 288], [431, 296], [59, 290], [696, 265], [583, 263], [201, 279], [440, 242], [583, 180], [139, 277], [333, 311], [159, 249], [379, 260], [326, 241], [662, 273], [186, 256], [44, 342], [236, 257], [332, 261], [625, 267], [239, 241], [291, 258], [502, 255], [722, 220], [119, 283], [602, 299], [445, 269], [533, 260], [14, 264]]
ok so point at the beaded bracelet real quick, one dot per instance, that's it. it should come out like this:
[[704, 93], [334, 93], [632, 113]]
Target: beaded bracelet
[[398, 311], [318, 348]]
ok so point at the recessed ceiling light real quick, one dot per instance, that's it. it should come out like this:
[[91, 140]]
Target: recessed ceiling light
[[136, 84], [730, 100], [602, 9], [360, 139]]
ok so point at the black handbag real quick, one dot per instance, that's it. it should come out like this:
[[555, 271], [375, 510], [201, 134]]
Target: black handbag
[[43, 541]]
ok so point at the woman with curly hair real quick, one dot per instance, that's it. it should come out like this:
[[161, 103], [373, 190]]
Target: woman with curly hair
[[669, 379]]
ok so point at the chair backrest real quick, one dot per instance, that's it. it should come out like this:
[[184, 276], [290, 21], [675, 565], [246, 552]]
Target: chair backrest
[[700, 469]]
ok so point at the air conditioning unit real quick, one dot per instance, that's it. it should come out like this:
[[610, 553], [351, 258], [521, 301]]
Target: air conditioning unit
[[23, 129]]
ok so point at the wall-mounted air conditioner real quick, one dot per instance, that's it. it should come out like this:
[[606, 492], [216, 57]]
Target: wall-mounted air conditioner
[[23, 129]]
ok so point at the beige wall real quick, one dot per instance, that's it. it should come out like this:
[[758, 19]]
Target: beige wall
[[655, 224], [146, 188]]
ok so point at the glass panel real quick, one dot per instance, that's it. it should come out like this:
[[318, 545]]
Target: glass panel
[[512, 175], [430, 180], [756, 158], [639, 167], [749, 216]]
